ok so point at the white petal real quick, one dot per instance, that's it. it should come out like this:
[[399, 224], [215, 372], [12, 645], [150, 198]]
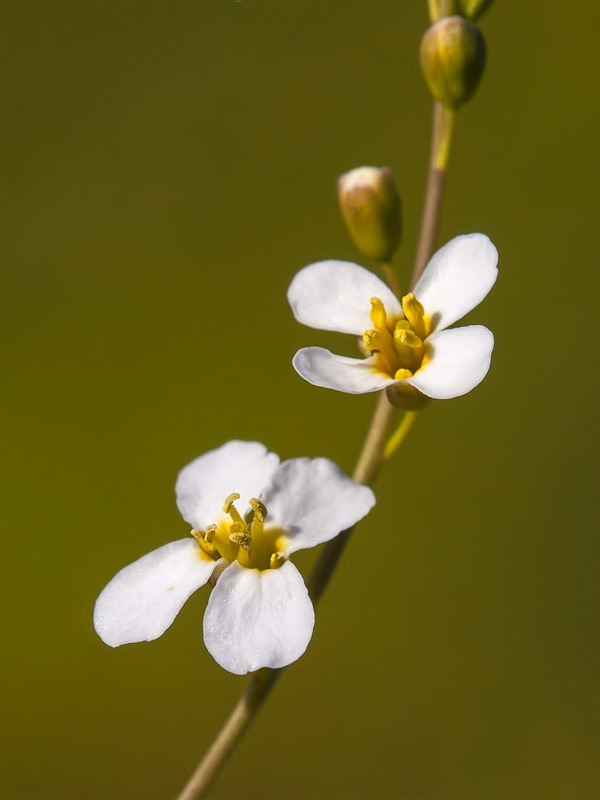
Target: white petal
[[460, 359], [143, 599], [312, 500], [457, 278], [203, 486], [258, 619], [335, 295], [353, 375]]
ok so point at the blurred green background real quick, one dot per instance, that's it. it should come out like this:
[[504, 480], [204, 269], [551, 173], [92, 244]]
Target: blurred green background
[[166, 168]]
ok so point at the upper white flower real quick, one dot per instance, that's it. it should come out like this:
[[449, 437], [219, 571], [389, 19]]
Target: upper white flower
[[406, 340], [259, 613]]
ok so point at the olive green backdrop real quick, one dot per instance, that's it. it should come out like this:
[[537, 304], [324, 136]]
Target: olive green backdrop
[[166, 168]]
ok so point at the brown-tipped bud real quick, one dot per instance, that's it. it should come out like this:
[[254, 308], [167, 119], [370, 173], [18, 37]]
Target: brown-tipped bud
[[472, 9], [403, 395], [453, 58], [372, 210]]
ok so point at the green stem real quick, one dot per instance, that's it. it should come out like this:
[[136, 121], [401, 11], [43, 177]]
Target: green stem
[[441, 137]]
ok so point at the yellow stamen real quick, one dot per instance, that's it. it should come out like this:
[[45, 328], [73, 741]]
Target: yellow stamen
[[230, 501], [276, 560], [414, 313], [240, 535], [407, 337], [372, 340], [378, 314], [260, 514], [205, 544], [260, 511], [209, 534], [230, 509], [241, 539], [380, 341]]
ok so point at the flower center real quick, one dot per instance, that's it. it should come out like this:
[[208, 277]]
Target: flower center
[[398, 344], [243, 539]]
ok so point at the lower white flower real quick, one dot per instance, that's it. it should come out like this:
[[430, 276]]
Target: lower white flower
[[405, 341], [249, 513]]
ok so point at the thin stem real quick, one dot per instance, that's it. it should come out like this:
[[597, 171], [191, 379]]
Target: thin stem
[[399, 435], [365, 472], [230, 734], [441, 136]]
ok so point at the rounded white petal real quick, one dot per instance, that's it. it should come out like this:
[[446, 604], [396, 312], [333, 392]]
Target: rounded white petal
[[258, 619], [352, 375], [460, 359], [457, 278], [313, 500], [143, 599], [203, 485], [335, 296]]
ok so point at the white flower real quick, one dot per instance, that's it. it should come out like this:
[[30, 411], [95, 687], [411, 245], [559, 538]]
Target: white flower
[[259, 613], [407, 341]]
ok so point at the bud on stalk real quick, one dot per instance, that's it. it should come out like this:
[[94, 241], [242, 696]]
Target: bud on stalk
[[371, 209], [453, 59]]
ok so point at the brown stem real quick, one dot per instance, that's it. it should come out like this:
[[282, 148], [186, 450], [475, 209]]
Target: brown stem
[[231, 733], [441, 135]]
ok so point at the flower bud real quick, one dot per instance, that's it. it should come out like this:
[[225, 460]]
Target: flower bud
[[372, 211], [453, 58]]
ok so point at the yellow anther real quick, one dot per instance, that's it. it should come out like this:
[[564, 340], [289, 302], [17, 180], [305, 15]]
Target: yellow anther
[[276, 560], [230, 501], [402, 325], [238, 527], [240, 535], [260, 511], [372, 340], [407, 337], [209, 534], [206, 544], [241, 539], [402, 374], [414, 313], [378, 314]]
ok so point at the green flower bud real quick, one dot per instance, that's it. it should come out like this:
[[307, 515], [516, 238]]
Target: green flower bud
[[372, 211], [453, 58]]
